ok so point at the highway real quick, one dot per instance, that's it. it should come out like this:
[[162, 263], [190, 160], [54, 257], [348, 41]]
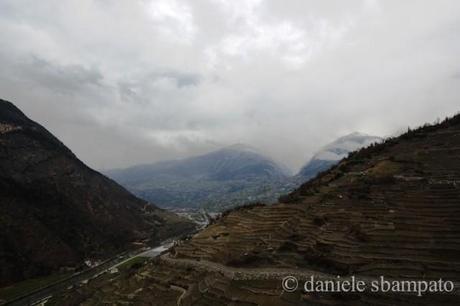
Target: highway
[[41, 295]]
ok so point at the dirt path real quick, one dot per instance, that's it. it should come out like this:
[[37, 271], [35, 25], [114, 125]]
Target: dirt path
[[267, 273]]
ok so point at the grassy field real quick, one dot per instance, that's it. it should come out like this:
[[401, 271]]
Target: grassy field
[[18, 289]]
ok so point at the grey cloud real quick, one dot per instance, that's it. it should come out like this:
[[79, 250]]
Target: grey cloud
[[170, 79], [129, 89], [70, 79], [184, 79]]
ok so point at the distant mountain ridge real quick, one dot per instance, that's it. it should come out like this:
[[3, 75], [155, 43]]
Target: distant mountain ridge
[[237, 173], [56, 212], [234, 175]]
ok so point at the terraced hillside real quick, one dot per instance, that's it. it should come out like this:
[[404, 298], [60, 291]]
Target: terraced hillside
[[392, 209]]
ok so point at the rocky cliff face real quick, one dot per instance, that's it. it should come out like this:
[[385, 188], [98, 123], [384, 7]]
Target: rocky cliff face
[[55, 211], [392, 209]]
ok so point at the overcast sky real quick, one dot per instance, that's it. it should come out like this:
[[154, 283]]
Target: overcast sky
[[129, 82]]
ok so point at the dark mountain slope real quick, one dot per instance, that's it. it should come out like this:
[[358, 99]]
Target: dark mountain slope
[[55, 211], [390, 210], [234, 175]]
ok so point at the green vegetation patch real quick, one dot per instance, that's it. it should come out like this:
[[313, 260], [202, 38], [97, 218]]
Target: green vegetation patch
[[133, 263], [21, 288]]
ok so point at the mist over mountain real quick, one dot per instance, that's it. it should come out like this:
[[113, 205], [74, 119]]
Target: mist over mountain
[[332, 153], [236, 174]]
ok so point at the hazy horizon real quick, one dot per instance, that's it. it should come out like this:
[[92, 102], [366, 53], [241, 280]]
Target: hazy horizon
[[240, 146], [135, 82]]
